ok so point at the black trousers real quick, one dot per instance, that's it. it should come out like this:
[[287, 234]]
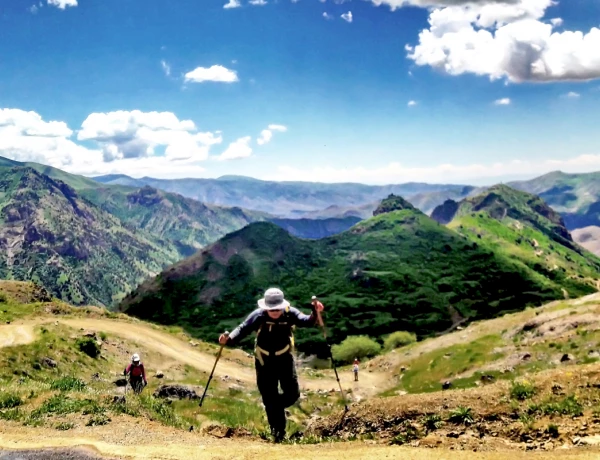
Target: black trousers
[[277, 370], [137, 383]]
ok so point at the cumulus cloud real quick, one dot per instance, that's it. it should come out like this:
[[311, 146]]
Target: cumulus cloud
[[137, 134], [267, 134], [503, 39], [257, 2], [232, 4], [237, 150], [166, 68], [412, 103], [347, 16], [394, 173], [216, 73], [327, 16], [25, 136], [573, 95], [62, 4], [503, 101]]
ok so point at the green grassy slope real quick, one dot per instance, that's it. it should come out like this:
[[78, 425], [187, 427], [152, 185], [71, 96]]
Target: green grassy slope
[[523, 228], [399, 270]]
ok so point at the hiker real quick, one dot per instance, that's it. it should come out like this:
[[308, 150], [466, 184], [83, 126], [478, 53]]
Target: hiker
[[137, 374], [355, 369], [273, 321]]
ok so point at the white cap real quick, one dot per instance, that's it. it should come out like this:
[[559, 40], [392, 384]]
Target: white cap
[[135, 357]]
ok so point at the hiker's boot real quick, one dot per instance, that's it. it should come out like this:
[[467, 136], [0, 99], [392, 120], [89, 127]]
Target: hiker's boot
[[278, 435]]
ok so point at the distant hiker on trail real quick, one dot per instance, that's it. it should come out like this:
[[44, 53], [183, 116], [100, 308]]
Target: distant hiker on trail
[[137, 374], [275, 365], [355, 369]]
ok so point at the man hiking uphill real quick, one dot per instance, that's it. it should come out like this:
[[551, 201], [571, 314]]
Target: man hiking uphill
[[137, 374], [275, 365]]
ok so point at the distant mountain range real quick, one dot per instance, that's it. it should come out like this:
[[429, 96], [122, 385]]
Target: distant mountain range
[[287, 199], [575, 196]]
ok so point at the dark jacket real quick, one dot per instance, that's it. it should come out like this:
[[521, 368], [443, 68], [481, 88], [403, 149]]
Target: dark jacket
[[275, 334]]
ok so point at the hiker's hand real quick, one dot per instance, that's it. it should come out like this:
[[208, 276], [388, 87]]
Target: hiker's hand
[[224, 338], [318, 306]]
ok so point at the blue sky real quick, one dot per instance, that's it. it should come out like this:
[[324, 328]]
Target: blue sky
[[405, 90]]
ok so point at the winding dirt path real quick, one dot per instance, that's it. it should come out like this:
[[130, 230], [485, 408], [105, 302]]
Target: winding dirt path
[[175, 348]]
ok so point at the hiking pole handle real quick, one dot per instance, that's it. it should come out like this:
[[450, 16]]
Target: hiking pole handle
[[319, 317], [213, 369]]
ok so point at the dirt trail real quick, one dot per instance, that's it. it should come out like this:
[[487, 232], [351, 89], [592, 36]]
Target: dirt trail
[[16, 334], [131, 440], [172, 347]]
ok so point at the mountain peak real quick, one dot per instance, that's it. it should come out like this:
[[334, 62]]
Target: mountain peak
[[392, 203]]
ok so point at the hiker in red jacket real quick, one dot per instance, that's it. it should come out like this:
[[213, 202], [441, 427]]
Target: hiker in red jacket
[[137, 374]]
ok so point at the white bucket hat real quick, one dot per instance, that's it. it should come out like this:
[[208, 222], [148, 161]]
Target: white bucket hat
[[273, 300], [135, 358]]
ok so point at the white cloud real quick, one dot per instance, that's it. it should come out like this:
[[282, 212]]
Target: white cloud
[[166, 67], [327, 16], [257, 2], [232, 4], [34, 9], [395, 173], [573, 95], [62, 4], [237, 150], [347, 16], [556, 22], [503, 101], [215, 73], [25, 136], [267, 134], [412, 103], [137, 134], [503, 39]]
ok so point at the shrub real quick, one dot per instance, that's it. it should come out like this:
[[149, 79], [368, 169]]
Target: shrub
[[103, 336], [9, 400], [462, 415], [88, 346], [399, 339], [359, 346], [522, 390], [3, 297], [552, 430]]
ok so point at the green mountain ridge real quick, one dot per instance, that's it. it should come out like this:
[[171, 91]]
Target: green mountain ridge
[[399, 270], [523, 227], [185, 223], [80, 253]]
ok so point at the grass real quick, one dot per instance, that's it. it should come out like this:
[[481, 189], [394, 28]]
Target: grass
[[426, 372], [568, 405], [68, 383]]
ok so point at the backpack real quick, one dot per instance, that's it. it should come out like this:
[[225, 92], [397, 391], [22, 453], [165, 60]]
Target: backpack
[[260, 352]]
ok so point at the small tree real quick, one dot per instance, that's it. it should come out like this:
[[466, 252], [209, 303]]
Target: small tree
[[399, 339], [360, 346]]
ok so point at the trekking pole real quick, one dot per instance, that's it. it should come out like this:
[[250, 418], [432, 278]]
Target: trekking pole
[[322, 324], [213, 371]]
